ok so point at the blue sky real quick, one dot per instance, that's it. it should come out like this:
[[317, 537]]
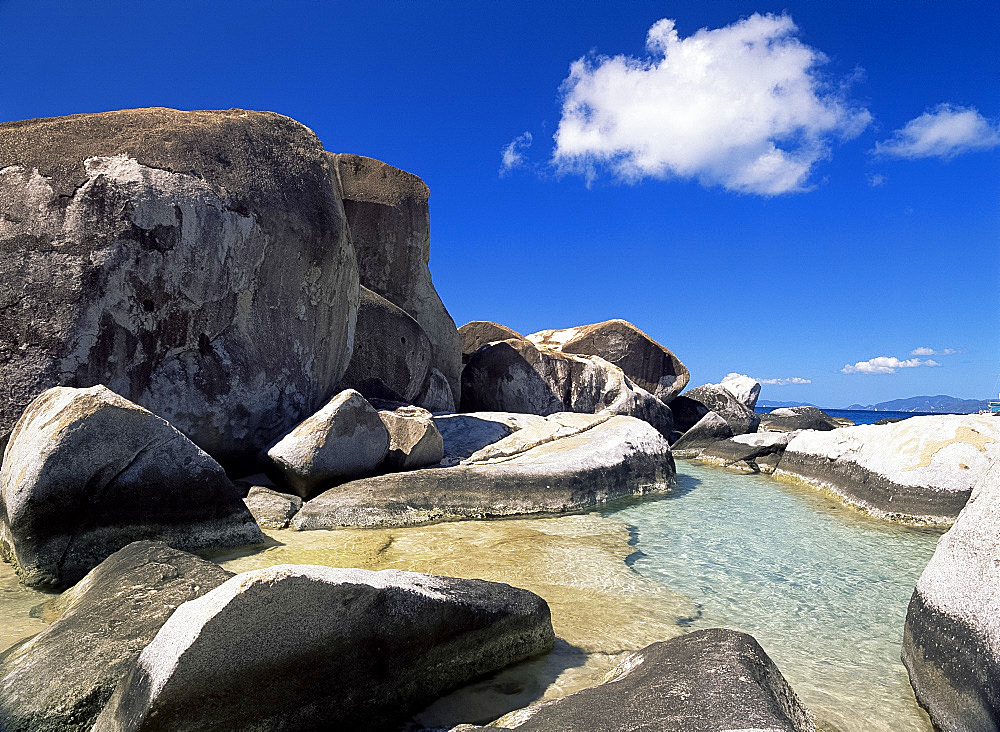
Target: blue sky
[[871, 229]]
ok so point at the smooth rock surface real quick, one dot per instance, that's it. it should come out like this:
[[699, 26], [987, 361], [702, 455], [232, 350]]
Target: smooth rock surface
[[464, 434], [649, 364], [614, 458], [197, 263], [390, 227], [789, 419], [344, 440], [717, 398], [323, 649], [744, 388], [270, 508], [414, 439], [477, 333], [709, 430], [951, 639], [710, 680], [60, 679], [757, 452], [392, 354], [437, 395], [87, 472], [922, 469]]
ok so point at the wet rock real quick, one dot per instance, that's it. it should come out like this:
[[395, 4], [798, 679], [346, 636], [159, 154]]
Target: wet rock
[[60, 679], [414, 439], [709, 430], [392, 354], [758, 452], [271, 509], [642, 359], [714, 679], [922, 469], [584, 465], [478, 333], [88, 472], [323, 648], [197, 263], [437, 395], [717, 398], [952, 632], [390, 227], [344, 440], [464, 434], [789, 419]]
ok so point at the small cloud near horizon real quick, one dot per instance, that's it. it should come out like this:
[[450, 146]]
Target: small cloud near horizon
[[924, 351], [876, 179], [885, 365], [741, 107], [512, 155], [943, 133], [770, 382]]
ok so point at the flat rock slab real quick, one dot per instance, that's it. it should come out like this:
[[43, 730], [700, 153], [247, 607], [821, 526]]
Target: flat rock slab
[[709, 680], [921, 469], [951, 639], [60, 679], [299, 647], [464, 434], [617, 457], [757, 452]]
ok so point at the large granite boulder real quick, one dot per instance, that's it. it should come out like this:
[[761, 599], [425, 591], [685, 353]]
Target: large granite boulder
[[345, 439], [951, 639], [708, 430], [197, 263], [576, 462], [323, 648], [789, 419], [60, 679], [646, 362], [87, 472], [477, 333], [714, 679], [692, 405], [390, 227], [518, 376], [921, 469], [392, 354], [414, 439], [744, 388], [270, 508], [757, 452]]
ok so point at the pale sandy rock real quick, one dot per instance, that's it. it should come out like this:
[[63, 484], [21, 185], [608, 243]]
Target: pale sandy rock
[[270, 508], [344, 440], [414, 439]]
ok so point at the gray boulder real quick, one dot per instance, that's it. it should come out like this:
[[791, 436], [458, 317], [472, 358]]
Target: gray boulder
[[87, 472], [437, 395], [271, 509], [414, 439], [709, 430], [464, 434], [951, 639], [477, 333], [392, 354], [715, 398], [390, 227], [922, 469], [642, 359], [344, 440], [714, 679], [566, 467], [197, 263], [789, 419], [757, 452], [322, 648], [744, 388], [60, 679]]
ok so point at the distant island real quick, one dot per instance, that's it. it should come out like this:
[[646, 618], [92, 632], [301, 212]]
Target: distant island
[[775, 405], [940, 404]]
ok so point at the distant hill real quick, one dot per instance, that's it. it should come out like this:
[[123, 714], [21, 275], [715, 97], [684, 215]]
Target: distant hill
[[940, 404], [774, 405]]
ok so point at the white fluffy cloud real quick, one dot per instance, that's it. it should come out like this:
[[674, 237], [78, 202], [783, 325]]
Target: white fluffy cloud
[[512, 155], [924, 351], [886, 365], [740, 107], [945, 132], [773, 382]]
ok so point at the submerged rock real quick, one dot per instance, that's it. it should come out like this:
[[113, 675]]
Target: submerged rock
[[87, 472], [714, 679], [414, 439], [921, 469], [197, 263], [270, 508], [343, 440], [60, 679], [569, 468], [951, 640], [323, 648], [789, 419]]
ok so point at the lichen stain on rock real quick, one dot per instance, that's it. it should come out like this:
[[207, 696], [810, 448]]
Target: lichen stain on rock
[[963, 435]]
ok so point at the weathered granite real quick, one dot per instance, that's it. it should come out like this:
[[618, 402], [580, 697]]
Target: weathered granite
[[437, 395], [921, 469], [270, 508], [789, 419], [390, 227], [744, 388], [414, 439], [646, 362], [714, 679], [87, 472], [464, 434], [60, 679], [322, 648], [716, 398], [197, 263], [710, 429], [951, 639], [477, 333], [613, 458], [757, 452]]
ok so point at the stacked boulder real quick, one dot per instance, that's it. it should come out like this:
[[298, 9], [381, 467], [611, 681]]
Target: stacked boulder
[[713, 412]]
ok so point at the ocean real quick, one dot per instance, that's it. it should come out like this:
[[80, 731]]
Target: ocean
[[858, 416]]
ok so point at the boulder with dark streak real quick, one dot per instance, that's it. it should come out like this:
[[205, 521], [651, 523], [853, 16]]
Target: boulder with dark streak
[[478, 333], [694, 404]]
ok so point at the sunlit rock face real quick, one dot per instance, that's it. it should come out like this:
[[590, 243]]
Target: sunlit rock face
[[197, 263]]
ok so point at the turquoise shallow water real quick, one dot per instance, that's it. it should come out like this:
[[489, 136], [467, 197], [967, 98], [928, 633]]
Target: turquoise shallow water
[[823, 588]]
